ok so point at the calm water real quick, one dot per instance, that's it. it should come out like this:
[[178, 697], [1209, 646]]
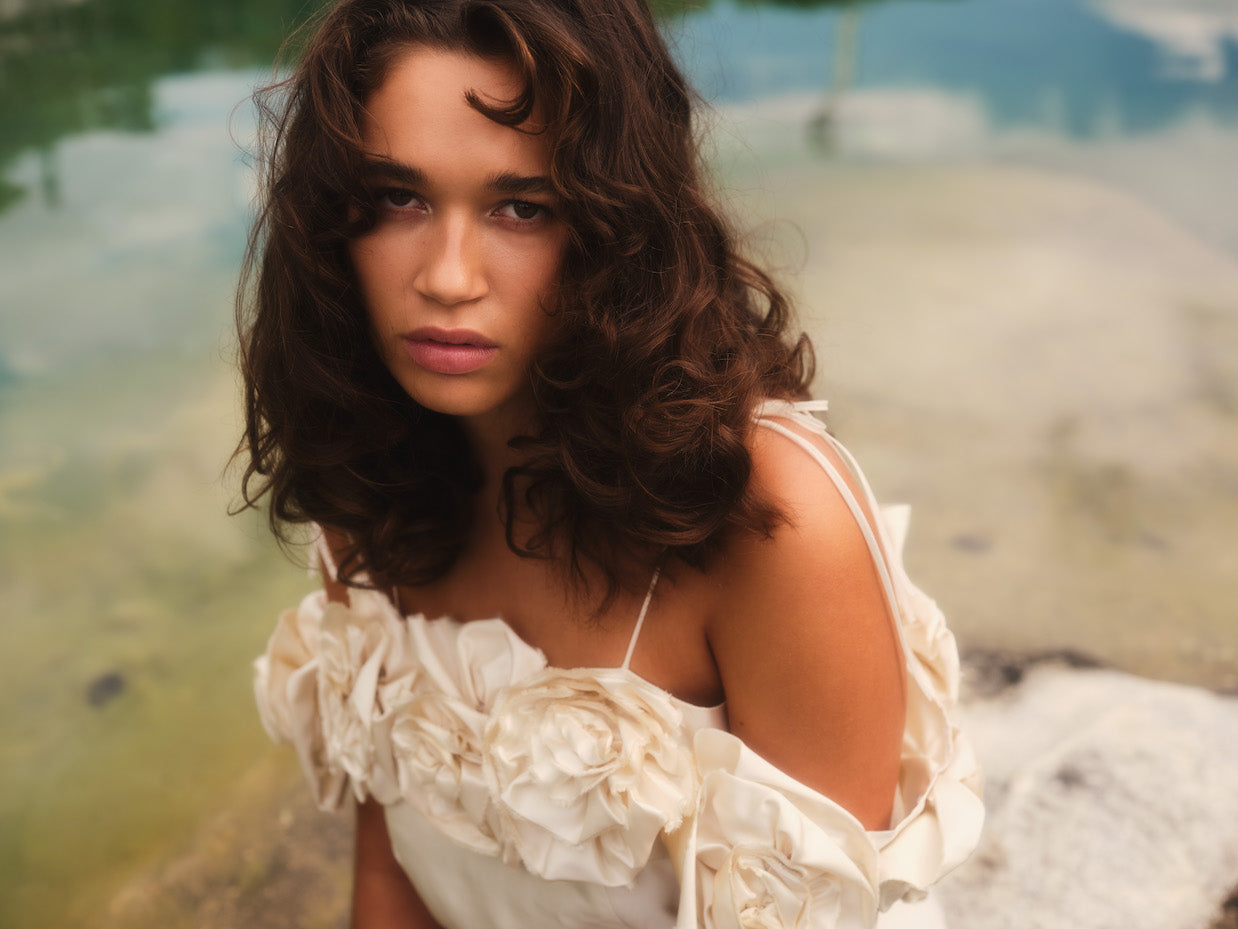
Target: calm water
[[131, 604]]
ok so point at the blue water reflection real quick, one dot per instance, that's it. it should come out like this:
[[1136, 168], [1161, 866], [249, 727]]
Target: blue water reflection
[[1062, 65], [1139, 94], [1070, 66], [127, 242]]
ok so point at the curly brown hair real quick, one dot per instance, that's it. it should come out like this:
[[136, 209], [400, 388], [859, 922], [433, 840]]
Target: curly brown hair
[[668, 337]]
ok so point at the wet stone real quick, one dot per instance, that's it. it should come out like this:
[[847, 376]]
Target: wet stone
[[971, 542], [105, 688], [1227, 918]]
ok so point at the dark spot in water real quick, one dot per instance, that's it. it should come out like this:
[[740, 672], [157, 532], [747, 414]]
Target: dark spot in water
[[972, 542], [105, 688], [8, 377], [1152, 541]]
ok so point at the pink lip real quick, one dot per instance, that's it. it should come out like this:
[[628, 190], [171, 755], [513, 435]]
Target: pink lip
[[449, 351]]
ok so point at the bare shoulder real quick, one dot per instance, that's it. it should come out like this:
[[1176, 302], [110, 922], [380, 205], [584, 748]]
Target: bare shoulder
[[803, 638]]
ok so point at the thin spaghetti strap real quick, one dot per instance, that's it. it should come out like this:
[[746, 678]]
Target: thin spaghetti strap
[[889, 566], [866, 528], [640, 620], [812, 406], [321, 551]]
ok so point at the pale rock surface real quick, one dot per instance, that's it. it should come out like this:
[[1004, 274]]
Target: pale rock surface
[[1112, 804]]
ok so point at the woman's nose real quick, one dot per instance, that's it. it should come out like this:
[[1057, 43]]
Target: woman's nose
[[452, 267]]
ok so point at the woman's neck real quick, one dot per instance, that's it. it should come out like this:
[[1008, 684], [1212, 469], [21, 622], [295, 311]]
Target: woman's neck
[[490, 437]]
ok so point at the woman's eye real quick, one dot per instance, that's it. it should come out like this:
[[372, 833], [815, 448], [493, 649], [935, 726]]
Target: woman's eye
[[523, 210], [394, 198]]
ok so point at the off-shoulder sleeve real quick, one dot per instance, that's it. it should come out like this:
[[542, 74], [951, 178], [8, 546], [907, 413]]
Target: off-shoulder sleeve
[[938, 810], [762, 850]]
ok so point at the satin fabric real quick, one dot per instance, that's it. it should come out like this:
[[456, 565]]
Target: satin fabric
[[522, 795]]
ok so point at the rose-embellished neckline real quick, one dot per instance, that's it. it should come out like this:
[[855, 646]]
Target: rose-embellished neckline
[[572, 773], [706, 714]]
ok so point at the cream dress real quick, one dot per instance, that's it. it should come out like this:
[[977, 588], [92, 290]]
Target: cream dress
[[521, 796]]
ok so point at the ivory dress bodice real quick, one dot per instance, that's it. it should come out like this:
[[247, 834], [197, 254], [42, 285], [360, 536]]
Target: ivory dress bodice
[[520, 795]]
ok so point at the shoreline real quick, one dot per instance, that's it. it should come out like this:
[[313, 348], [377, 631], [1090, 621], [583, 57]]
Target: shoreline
[[270, 860], [1035, 362]]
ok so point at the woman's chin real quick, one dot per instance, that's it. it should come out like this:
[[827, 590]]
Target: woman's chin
[[474, 403]]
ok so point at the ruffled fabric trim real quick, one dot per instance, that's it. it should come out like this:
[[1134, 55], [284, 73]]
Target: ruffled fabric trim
[[574, 774], [331, 677], [762, 850], [939, 809], [588, 769]]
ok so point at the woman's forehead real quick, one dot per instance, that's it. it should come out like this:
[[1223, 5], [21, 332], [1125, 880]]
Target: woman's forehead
[[421, 112]]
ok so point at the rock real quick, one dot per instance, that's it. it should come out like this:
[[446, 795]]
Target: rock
[[1111, 803], [1228, 917], [990, 672], [105, 688], [268, 860]]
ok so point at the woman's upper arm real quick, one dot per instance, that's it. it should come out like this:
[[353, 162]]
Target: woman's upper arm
[[808, 654], [383, 896]]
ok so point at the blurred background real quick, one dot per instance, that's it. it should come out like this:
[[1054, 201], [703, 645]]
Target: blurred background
[[1012, 226]]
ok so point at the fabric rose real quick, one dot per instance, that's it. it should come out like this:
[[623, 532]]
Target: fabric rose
[[765, 852], [361, 651], [588, 767], [436, 743], [286, 691], [430, 741], [473, 661]]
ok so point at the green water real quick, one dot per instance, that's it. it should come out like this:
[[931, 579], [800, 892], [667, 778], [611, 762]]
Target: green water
[[130, 603], [118, 561]]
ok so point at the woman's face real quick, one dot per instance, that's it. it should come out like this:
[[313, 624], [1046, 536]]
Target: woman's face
[[461, 268]]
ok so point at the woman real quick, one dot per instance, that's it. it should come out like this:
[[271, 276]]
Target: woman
[[612, 633]]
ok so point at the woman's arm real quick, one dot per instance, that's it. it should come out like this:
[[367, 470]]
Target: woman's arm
[[383, 897], [809, 657]]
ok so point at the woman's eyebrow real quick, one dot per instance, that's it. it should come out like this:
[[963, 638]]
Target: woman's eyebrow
[[505, 182], [510, 183], [393, 171]]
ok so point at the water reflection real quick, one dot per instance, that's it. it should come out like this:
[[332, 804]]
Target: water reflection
[[1082, 68], [142, 241], [1059, 64], [73, 67], [1196, 38], [1103, 89]]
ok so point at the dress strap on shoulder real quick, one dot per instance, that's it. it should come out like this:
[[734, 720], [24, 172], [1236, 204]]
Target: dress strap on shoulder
[[798, 410], [812, 406], [640, 620], [869, 528], [322, 559]]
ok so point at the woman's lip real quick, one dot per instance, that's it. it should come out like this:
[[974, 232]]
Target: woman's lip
[[450, 337], [455, 351]]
